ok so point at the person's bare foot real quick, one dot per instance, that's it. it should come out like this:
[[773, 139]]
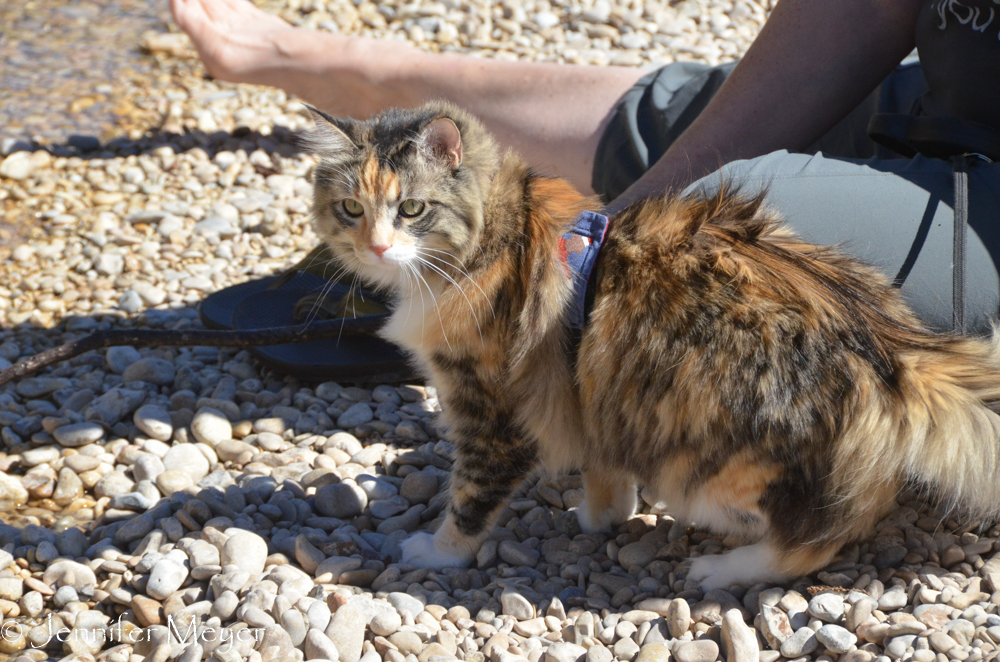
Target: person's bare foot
[[236, 41]]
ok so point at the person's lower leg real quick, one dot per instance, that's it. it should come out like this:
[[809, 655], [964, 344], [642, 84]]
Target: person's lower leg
[[551, 114]]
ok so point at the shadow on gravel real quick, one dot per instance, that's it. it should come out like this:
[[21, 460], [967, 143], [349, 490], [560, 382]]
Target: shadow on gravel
[[280, 141]]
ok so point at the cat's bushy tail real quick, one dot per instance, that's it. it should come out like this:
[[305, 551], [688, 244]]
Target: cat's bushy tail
[[951, 441]]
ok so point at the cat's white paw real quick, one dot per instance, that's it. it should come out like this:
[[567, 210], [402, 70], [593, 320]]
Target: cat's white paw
[[419, 550], [744, 566], [709, 572]]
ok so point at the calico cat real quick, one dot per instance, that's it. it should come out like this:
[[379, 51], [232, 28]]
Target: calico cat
[[757, 384]]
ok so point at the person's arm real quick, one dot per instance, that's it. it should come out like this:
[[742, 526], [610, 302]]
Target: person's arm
[[812, 63]]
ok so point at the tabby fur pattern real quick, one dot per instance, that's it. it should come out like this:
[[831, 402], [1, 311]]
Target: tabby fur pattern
[[758, 385]]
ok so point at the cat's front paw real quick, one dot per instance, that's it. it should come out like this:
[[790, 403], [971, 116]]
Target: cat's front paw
[[708, 572], [419, 550]]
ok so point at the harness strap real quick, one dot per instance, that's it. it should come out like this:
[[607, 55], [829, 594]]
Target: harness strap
[[960, 169], [579, 249]]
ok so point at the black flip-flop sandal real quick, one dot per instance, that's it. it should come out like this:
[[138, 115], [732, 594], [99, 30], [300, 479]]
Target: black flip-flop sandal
[[299, 295]]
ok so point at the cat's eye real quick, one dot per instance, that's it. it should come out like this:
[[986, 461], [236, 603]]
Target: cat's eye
[[352, 207], [411, 208]]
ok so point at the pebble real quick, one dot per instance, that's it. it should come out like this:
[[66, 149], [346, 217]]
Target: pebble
[[171, 481], [419, 487], [893, 599], [837, 639], [189, 459], [18, 166], [166, 577], [678, 617], [828, 607], [347, 632], [78, 434], [516, 605], [356, 414], [648, 653], [319, 647], [738, 641], [639, 554], [341, 501], [406, 602], [517, 554], [154, 422], [802, 642], [565, 652], [245, 550], [210, 426], [153, 371]]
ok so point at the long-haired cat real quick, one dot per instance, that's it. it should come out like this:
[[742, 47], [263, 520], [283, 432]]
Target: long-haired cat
[[757, 384]]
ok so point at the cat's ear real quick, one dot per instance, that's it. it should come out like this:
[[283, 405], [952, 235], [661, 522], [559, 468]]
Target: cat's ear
[[443, 139], [329, 137]]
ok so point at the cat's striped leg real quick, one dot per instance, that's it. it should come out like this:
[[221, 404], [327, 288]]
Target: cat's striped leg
[[484, 476], [609, 498]]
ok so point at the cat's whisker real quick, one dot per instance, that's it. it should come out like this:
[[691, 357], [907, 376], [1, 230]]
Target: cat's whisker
[[327, 288], [460, 270], [437, 308], [423, 306], [409, 309], [343, 320], [460, 289]]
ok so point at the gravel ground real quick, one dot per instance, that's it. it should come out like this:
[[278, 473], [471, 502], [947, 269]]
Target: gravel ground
[[184, 504]]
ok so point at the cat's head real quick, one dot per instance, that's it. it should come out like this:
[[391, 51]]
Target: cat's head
[[404, 190]]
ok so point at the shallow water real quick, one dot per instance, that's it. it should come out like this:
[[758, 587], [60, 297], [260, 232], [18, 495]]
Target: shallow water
[[66, 66]]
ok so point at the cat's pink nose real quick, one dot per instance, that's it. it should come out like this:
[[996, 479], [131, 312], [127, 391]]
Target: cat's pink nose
[[378, 250]]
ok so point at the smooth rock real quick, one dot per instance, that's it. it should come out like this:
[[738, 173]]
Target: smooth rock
[[648, 653], [516, 605], [154, 422], [564, 652], [803, 642], [165, 578], [405, 602], [187, 458], [639, 554], [152, 371], [341, 500], [678, 617], [210, 426], [319, 647], [120, 358], [837, 639], [775, 626], [78, 434], [173, 480], [702, 650], [347, 632], [738, 640], [357, 414], [419, 487], [245, 550], [828, 607]]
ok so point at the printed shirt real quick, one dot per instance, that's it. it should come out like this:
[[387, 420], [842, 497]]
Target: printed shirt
[[959, 46]]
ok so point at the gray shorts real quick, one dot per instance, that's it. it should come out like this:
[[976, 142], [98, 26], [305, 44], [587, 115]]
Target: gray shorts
[[888, 211]]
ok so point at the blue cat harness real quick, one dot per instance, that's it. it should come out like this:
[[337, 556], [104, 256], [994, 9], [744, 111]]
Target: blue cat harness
[[579, 249]]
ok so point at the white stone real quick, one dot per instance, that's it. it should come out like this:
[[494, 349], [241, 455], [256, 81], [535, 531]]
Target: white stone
[[210, 426], [154, 422], [247, 551]]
